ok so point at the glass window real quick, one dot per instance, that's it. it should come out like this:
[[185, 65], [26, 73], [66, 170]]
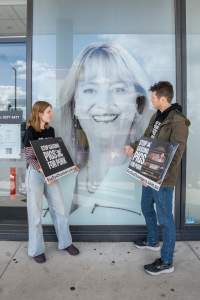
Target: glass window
[[13, 76], [91, 60], [12, 98], [193, 112]]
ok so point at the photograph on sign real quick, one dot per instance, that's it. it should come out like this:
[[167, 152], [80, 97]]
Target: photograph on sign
[[151, 160]]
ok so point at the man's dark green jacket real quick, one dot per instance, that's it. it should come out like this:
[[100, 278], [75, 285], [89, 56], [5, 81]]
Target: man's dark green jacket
[[173, 129]]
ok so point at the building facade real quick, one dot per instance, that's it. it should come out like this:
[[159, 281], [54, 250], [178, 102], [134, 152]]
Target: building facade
[[91, 60]]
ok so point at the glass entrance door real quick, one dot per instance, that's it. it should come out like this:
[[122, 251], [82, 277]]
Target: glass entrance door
[[12, 98]]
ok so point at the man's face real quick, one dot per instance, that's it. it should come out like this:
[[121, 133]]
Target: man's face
[[155, 100]]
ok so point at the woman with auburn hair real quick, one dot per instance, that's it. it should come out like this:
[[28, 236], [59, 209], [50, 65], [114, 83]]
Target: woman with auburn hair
[[38, 128]]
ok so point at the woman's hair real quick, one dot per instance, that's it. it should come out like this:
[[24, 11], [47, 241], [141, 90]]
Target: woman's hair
[[113, 60], [141, 102], [34, 119]]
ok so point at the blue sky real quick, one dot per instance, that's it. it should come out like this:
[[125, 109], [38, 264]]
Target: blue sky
[[9, 55], [12, 54]]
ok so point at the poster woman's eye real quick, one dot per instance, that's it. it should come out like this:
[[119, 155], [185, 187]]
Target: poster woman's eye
[[89, 91], [119, 89]]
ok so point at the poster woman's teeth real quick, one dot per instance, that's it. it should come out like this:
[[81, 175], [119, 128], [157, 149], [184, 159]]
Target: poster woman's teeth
[[106, 118]]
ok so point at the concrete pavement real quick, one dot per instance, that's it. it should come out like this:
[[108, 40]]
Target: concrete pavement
[[108, 271]]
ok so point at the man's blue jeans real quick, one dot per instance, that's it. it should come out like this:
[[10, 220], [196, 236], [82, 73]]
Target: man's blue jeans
[[163, 200]]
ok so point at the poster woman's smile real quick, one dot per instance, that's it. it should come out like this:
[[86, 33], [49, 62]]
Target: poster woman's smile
[[105, 118]]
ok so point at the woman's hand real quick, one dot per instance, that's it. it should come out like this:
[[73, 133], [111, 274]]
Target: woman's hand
[[40, 170], [77, 168], [49, 182], [128, 150]]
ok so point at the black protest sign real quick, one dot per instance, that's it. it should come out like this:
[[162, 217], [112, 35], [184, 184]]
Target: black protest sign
[[151, 160], [53, 157]]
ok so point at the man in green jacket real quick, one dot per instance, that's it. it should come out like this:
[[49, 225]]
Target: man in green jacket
[[170, 125]]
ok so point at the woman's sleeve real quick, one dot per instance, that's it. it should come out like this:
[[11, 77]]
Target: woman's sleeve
[[28, 150], [31, 158], [28, 136]]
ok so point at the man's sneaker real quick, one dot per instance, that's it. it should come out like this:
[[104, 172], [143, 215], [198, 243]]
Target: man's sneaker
[[159, 267], [145, 245], [40, 259]]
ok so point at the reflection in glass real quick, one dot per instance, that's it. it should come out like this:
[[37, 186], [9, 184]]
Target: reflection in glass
[[192, 211]]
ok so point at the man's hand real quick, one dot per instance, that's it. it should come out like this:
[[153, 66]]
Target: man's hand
[[144, 184], [128, 150]]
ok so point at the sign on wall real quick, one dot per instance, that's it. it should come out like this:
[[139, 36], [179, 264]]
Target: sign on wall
[[10, 134]]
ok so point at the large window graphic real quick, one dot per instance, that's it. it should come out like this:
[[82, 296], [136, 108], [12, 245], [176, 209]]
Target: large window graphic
[[97, 76]]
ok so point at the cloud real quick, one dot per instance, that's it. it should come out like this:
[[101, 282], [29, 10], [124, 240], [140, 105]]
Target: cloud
[[7, 95], [21, 69], [155, 52], [44, 82], [44, 79], [41, 71]]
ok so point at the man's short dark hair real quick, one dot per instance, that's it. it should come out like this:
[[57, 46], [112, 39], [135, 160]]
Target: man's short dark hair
[[163, 89]]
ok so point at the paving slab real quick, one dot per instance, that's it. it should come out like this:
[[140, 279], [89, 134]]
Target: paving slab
[[108, 271], [7, 251]]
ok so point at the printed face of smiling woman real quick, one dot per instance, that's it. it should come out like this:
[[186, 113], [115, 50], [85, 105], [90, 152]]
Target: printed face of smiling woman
[[105, 101]]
